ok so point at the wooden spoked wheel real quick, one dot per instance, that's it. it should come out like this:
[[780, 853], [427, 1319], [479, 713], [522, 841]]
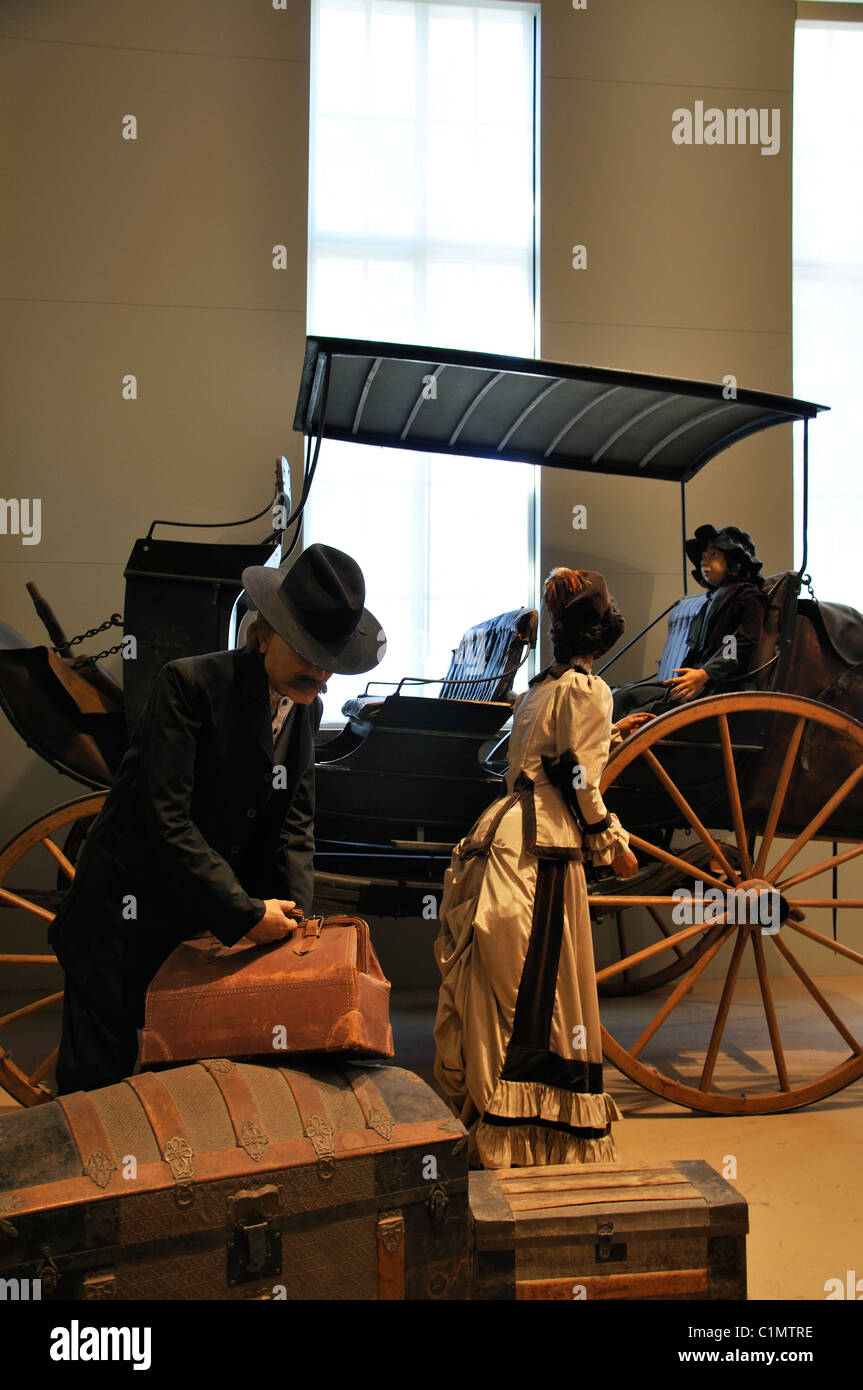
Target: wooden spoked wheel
[[796, 795], [22, 864], [614, 931]]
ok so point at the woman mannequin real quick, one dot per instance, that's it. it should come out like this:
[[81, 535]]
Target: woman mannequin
[[519, 1055]]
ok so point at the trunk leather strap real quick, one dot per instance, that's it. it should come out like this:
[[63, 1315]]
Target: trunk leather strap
[[391, 1255], [314, 1119], [98, 1161], [375, 1110], [240, 1105], [165, 1122]]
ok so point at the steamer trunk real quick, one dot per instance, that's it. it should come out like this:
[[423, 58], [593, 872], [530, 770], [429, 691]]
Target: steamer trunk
[[664, 1231], [230, 1181]]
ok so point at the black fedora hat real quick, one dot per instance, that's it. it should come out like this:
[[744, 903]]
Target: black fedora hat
[[317, 607], [729, 538]]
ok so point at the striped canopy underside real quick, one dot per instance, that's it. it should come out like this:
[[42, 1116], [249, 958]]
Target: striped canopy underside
[[482, 405]]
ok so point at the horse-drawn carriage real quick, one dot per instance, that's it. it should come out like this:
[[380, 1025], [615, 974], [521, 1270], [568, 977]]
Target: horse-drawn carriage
[[707, 790]]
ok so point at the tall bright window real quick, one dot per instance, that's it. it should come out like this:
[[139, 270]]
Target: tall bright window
[[828, 294], [423, 218]]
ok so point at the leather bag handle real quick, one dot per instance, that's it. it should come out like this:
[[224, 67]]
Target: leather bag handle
[[311, 935], [311, 928]]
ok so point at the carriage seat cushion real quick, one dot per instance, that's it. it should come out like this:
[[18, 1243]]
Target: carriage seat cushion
[[362, 708], [677, 641], [489, 648], [780, 589]]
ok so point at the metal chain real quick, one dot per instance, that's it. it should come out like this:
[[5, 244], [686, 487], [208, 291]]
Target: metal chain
[[115, 620], [88, 660]]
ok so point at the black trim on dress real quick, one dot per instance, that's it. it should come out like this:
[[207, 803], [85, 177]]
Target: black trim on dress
[[555, 853], [529, 1057], [508, 1122], [534, 1005], [559, 773]]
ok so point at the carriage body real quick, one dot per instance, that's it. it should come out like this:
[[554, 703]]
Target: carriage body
[[408, 774], [180, 600], [582, 419]]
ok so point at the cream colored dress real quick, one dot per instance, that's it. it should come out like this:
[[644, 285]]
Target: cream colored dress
[[518, 1050]]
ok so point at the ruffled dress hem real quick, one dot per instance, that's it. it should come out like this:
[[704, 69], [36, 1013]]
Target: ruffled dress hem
[[534, 1146], [536, 1100], [548, 1113]]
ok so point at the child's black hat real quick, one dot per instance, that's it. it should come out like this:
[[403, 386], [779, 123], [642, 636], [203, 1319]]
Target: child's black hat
[[730, 538]]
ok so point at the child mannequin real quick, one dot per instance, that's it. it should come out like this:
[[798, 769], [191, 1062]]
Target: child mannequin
[[724, 634]]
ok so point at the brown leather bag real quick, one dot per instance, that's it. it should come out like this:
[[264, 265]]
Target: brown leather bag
[[322, 990]]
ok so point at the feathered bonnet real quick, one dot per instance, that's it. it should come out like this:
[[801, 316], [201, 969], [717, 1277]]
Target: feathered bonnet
[[575, 599]]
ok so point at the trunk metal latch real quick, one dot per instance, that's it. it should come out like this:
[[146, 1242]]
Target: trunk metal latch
[[437, 1202], [606, 1251], [254, 1248]]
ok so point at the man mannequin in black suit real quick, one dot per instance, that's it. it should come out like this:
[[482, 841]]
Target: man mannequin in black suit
[[209, 824]]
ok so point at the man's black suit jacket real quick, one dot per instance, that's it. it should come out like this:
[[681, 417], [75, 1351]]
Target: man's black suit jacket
[[198, 829]]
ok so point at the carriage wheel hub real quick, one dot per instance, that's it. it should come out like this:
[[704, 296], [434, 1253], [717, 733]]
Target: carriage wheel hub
[[758, 903]]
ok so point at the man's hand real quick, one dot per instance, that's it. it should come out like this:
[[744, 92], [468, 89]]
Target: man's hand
[[279, 919], [687, 682], [630, 722], [625, 864]]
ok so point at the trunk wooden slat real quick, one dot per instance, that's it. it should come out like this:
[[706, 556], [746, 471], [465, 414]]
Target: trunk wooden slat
[[660, 1231]]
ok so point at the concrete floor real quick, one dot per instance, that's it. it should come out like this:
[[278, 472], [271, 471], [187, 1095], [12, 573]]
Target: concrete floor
[[799, 1172]]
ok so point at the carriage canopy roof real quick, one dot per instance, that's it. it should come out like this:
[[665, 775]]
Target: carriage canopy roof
[[447, 401]]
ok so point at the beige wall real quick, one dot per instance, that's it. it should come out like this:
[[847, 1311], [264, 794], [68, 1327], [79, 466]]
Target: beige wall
[[153, 257], [689, 266], [689, 274]]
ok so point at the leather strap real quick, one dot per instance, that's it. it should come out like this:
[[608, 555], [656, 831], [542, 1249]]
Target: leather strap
[[98, 1160], [240, 1105], [842, 683], [391, 1255], [376, 1112], [314, 1119], [311, 929], [165, 1122]]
